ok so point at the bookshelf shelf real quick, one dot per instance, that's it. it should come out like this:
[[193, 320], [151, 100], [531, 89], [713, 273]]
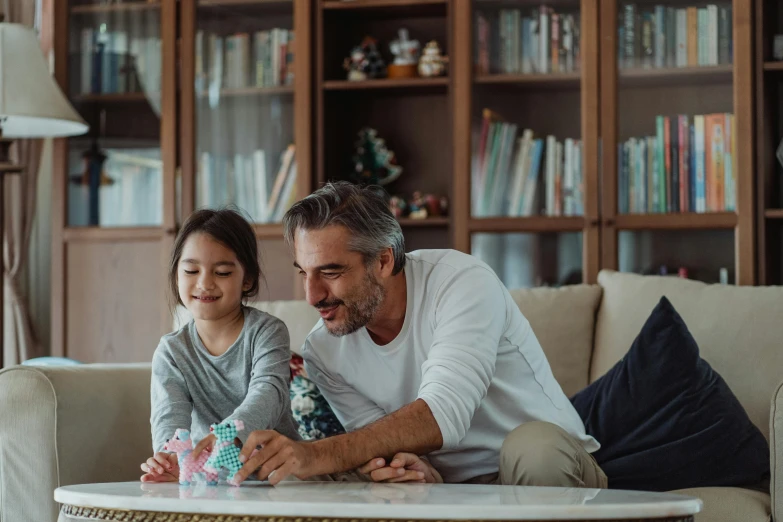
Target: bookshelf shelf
[[773, 66], [527, 224], [676, 76], [676, 221], [774, 213], [378, 4], [242, 8], [233, 3], [438, 221], [545, 80], [72, 234], [251, 91], [114, 8], [386, 83], [128, 97]]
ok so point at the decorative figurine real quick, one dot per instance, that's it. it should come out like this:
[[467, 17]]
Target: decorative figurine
[[365, 61], [397, 206], [444, 206], [432, 63], [433, 205], [373, 163], [418, 206], [406, 54]]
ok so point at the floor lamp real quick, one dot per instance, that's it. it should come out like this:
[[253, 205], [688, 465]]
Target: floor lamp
[[31, 106]]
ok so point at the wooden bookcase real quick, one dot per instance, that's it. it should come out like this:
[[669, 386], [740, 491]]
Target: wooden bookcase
[[769, 134], [210, 135], [111, 280]]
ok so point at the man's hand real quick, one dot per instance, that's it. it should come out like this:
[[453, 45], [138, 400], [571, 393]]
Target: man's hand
[[277, 458], [207, 443], [404, 467], [161, 467]]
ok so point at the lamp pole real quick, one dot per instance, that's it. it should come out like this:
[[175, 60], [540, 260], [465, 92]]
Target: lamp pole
[[6, 167]]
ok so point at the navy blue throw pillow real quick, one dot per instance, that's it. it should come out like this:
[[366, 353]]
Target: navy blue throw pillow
[[666, 420]]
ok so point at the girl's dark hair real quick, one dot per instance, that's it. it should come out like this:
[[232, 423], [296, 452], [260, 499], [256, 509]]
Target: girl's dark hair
[[228, 227]]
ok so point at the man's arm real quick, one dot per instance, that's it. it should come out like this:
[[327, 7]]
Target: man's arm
[[412, 428]]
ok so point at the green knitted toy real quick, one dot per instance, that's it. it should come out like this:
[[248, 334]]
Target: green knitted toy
[[225, 453]]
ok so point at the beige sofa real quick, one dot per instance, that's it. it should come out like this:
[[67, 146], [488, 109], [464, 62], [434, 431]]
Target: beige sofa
[[90, 423]]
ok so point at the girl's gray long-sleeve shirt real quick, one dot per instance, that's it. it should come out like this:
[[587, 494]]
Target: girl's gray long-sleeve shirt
[[193, 389]]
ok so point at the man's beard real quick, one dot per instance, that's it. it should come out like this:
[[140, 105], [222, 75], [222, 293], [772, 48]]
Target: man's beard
[[360, 306]]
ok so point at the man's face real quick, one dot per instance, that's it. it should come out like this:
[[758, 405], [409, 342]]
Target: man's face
[[337, 282]]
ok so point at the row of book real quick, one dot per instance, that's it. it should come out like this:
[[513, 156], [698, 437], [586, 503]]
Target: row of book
[[242, 180], [260, 59], [507, 42], [116, 62], [688, 166], [663, 36], [132, 197], [524, 175]]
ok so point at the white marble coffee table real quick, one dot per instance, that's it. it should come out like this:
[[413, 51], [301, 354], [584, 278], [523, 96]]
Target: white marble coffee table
[[322, 501]]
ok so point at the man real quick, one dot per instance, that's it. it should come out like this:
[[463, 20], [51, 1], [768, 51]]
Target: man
[[419, 354]]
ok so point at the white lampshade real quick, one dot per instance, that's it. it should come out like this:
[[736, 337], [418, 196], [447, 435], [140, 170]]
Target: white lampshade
[[31, 103]]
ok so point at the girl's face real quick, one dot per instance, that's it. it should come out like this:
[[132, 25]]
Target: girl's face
[[210, 278]]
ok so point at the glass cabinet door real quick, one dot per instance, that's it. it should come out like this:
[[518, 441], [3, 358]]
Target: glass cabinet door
[[244, 107], [115, 173], [528, 171], [676, 175]]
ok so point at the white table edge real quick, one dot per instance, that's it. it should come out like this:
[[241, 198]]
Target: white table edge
[[684, 507]]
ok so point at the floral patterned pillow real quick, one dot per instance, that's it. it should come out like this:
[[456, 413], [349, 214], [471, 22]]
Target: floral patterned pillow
[[314, 417]]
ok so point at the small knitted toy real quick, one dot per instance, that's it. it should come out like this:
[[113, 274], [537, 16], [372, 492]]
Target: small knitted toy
[[182, 445], [225, 454]]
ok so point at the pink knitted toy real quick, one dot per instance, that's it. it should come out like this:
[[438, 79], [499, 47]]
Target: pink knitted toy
[[182, 444]]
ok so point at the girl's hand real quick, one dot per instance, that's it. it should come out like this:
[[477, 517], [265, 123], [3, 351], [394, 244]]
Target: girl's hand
[[161, 467]]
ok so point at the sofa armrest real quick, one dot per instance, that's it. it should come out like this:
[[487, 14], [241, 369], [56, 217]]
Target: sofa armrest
[[776, 453], [69, 425]]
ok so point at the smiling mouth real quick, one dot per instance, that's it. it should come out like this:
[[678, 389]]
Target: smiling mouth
[[206, 298], [328, 313]]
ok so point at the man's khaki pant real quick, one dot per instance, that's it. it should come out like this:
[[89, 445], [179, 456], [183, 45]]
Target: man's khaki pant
[[543, 454]]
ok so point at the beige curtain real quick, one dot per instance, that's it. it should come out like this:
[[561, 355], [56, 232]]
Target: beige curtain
[[19, 342]]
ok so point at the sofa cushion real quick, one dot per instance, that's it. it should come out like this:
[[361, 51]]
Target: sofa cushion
[[64, 425], [738, 330], [563, 321], [666, 420], [730, 504]]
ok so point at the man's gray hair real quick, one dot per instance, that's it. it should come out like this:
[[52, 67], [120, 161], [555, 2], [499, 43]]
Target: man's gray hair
[[364, 211]]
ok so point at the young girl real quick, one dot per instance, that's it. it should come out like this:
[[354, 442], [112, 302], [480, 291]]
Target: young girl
[[231, 361]]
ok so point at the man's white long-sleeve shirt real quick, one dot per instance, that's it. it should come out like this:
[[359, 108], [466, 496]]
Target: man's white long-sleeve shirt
[[464, 348]]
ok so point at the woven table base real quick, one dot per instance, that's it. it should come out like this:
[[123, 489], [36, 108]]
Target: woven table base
[[118, 515]]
